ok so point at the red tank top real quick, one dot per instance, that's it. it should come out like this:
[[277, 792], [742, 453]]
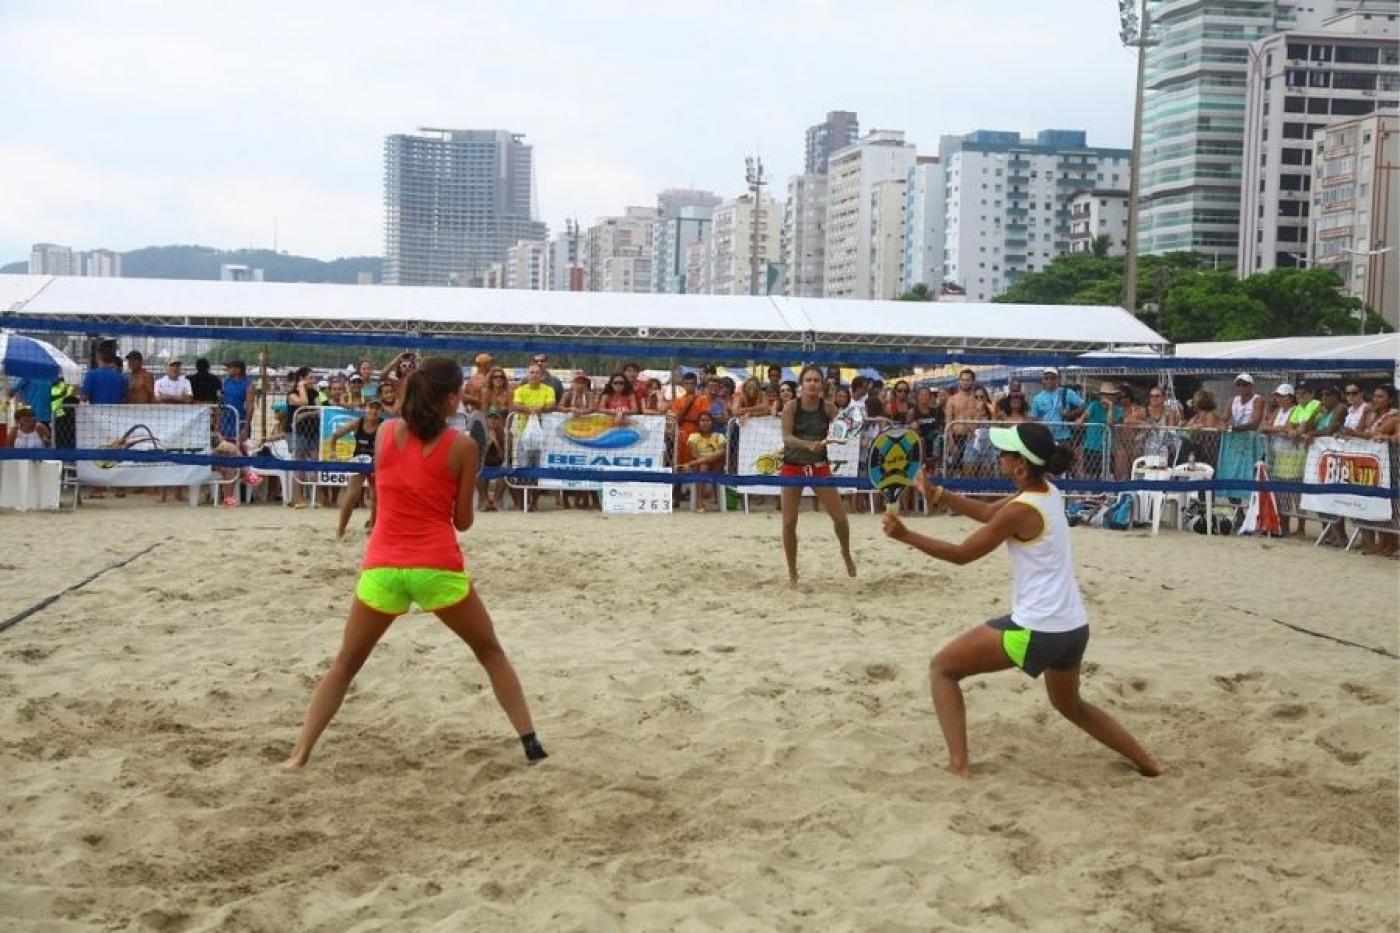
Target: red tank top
[[417, 496]]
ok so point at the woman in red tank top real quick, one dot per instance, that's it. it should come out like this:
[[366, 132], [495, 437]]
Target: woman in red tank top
[[425, 475]]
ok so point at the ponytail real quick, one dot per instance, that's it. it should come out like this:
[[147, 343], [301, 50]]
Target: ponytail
[[1058, 463], [424, 392]]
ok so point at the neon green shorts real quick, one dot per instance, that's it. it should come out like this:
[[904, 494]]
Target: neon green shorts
[[392, 590]]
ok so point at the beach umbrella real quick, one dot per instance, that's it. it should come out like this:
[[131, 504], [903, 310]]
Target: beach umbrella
[[27, 358]]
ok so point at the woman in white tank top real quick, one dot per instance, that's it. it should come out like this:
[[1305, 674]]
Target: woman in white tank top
[[1047, 628], [27, 433]]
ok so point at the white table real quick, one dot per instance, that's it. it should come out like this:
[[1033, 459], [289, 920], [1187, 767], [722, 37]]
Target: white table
[[30, 484]]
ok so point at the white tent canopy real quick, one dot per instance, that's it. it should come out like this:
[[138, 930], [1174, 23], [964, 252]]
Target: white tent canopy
[[1361, 347], [509, 314]]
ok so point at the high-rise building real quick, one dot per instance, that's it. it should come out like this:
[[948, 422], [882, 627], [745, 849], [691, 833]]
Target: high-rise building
[[887, 228], [1355, 218], [527, 266], [1007, 209], [566, 268], [101, 264], [1098, 212], [682, 216], [729, 251], [1306, 80], [803, 243], [52, 259], [839, 130], [880, 155], [1193, 118], [923, 224], [455, 201], [618, 251]]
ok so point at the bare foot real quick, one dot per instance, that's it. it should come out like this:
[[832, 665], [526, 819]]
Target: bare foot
[[1150, 768], [792, 582], [850, 564], [963, 771], [296, 762]]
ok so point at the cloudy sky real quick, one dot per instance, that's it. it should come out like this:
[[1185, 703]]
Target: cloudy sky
[[137, 123]]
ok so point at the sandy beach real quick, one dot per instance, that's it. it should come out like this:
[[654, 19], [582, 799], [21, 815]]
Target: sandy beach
[[725, 754]]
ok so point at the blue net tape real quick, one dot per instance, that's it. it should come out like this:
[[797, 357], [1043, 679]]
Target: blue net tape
[[530, 474]]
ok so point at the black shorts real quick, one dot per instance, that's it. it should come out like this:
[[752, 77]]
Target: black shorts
[[1033, 651]]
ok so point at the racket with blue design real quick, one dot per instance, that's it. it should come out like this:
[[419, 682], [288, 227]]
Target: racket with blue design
[[895, 455]]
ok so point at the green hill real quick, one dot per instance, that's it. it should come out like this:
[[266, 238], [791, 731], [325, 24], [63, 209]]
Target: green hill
[[202, 262]]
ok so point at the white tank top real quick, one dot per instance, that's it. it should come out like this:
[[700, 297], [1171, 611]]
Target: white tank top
[[1044, 593], [1354, 415], [30, 441], [1242, 410]]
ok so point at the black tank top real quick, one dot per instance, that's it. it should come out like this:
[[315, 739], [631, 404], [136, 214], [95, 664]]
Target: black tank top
[[808, 426], [364, 440]]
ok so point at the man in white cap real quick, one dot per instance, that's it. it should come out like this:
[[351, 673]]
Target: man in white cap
[[1056, 405]]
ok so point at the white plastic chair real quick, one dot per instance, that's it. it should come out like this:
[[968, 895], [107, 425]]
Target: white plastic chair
[[1183, 471], [280, 451]]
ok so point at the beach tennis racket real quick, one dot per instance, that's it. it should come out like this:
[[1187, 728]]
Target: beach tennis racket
[[895, 455]]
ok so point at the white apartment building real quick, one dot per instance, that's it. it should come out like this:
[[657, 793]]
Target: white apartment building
[[887, 226], [239, 272], [1306, 80], [682, 216], [566, 270], [880, 155], [628, 236], [1094, 213], [101, 264], [1355, 218], [52, 259], [527, 265], [1006, 200], [697, 266], [803, 244], [923, 225], [729, 250]]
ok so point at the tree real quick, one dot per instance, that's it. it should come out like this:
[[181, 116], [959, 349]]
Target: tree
[[1101, 245], [919, 292]]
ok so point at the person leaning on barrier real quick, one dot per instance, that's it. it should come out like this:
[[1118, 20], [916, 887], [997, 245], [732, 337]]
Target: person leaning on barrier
[[173, 388], [961, 412], [1385, 428], [1359, 416], [633, 372], [27, 433], [1012, 407], [103, 384], [476, 383], [1105, 410], [1331, 413], [578, 397], [750, 400], [1158, 425], [1056, 405], [205, 387], [140, 384]]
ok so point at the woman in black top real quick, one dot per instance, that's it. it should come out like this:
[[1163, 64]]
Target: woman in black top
[[365, 428], [806, 421]]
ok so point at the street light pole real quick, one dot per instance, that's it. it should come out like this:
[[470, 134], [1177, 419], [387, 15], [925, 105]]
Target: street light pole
[[1135, 22], [753, 175], [1366, 254]]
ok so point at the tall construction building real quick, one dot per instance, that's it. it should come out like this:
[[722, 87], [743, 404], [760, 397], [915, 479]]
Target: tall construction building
[[880, 155], [803, 242], [454, 202], [682, 217], [1355, 219], [839, 130], [617, 251], [1193, 128], [1303, 81]]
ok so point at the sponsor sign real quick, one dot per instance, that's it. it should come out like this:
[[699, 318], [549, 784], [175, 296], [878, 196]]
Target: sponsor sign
[[173, 428], [636, 499], [595, 441], [761, 454], [1352, 460]]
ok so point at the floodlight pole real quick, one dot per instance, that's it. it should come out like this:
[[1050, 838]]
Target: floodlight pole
[[1136, 23], [753, 175]]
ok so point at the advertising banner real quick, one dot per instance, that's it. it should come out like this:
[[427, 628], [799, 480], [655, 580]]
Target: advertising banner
[[335, 449], [1355, 461], [175, 428], [594, 441], [761, 454]]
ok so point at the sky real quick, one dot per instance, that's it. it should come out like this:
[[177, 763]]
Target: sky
[[138, 123]]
